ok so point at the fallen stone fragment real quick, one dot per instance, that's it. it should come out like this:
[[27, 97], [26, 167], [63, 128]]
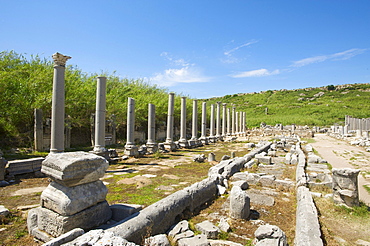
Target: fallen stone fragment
[[157, 240], [198, 240], [207, 228], [270, 235]]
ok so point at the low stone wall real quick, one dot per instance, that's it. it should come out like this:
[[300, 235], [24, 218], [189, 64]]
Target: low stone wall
[[24, 166]]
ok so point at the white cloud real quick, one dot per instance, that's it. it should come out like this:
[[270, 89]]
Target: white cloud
[[345, 55], [256, 73], [172, 76], [229, 53]]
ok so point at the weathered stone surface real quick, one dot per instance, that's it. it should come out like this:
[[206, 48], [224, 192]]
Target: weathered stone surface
[[239, 203], [288, 158], [157, 240], [65, 238], [284, 185], [207, 228], [264, 159], [3, 212], [270, 235], [253, 178], [307, 224], [74, 168], [185, 234], [56, 224], [122, 211], [345, 186], [223, 243], [211, 157], [71, 200], [179, 228], [239, 176], [268, 180], [224, 225], [198, 240], [261, 199], [241, 183], [24, 166], [225, 157], [199, 158]]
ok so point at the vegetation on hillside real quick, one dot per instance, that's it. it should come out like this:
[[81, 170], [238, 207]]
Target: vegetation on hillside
[[26, 84], [323, 106]]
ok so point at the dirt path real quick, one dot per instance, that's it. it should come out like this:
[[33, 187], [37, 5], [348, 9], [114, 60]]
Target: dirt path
[[341, 154]]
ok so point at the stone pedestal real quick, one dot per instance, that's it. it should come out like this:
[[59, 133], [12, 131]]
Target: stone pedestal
[[74, 199], [345, 186]]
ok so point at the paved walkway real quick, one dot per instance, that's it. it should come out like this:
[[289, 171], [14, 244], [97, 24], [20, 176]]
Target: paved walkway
[[341, 154]]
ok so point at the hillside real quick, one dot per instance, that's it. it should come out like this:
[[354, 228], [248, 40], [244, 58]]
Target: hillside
[[322, 106]]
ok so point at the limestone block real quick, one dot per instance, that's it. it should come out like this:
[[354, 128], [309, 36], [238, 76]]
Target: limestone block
[[261, 199], [288, 158], [179, 228], [253, 178], [198, 240], [157, 240], [272, 234], [268, 180], [3, 211], [284, 185], [345, 186], [122, 211], [264, 159], [239, 176], [71, 200], [239, 203], [185, 234], [207, 228], [241, 183], [24, 166], [65, 238], [223, 243], [74, 168], [56, 224], [294, 159], [223, 225]]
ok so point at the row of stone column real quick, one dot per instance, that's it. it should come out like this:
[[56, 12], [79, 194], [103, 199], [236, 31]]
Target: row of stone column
[[357, 123], [221, 130], [237, 126]]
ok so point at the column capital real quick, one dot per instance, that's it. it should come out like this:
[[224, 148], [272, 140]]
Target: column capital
[[59, 59]]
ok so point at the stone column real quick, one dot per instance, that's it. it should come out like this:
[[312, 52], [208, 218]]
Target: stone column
[[169, 144], [57, 110], [182, 141], [243, 128], [233, 122], [38, 130], [228, 122], [218, 122], [224, 120], [194, 128], [236, 123], [203, 137], [99, 147], [212, 125], [151, 144], [130, 147]]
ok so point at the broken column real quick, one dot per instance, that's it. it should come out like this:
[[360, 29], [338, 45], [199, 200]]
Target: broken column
[[239, 203], [194, 126], [218, 122], [203, 137], [130, 147], [182, 141], [224, 120], [151, 144], [57, 111], [345, 186], [74, 199], [99, 147], [169, 144], [212, 137]]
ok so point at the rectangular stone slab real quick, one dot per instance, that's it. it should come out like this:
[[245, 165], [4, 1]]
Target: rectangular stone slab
[[71, 200], [56, 224], [74, 168]]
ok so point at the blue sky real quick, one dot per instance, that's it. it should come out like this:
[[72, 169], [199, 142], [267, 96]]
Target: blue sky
[[200, 48]]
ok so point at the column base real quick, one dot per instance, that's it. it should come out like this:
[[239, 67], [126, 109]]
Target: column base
[[170, 146], [152, 147], [204, 140], [184, 143], [131, 150]]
